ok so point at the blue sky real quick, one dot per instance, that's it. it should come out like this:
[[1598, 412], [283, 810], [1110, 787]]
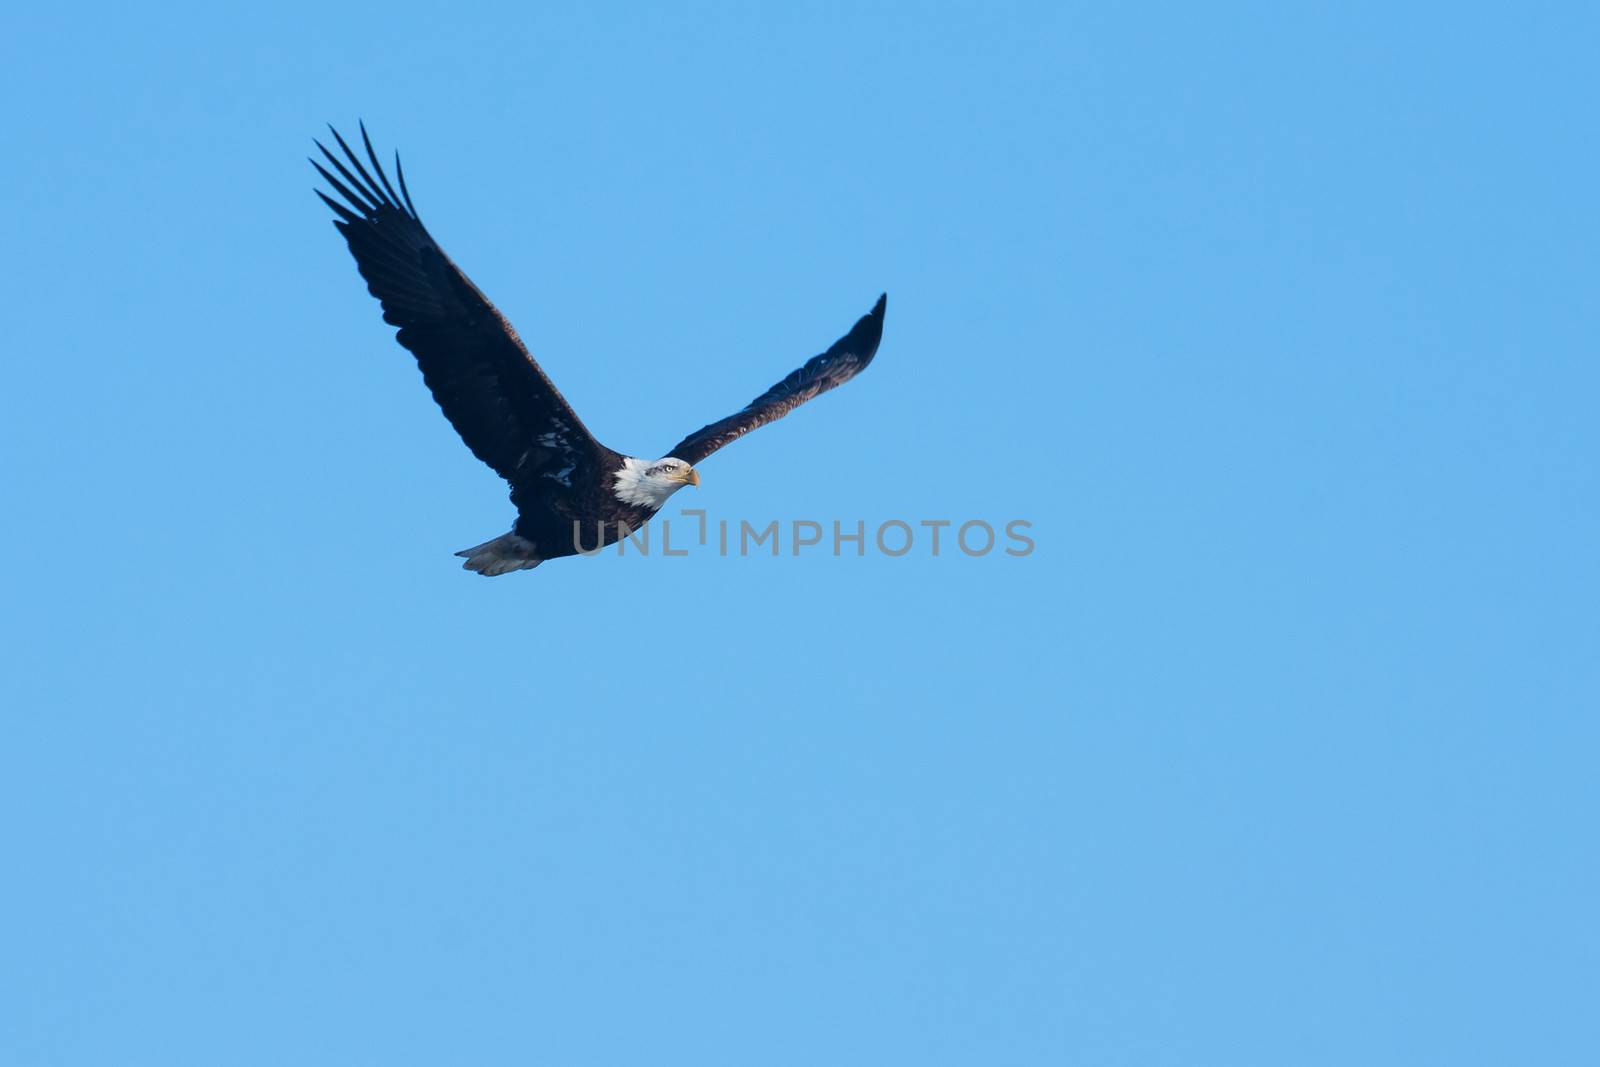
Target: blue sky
[[1278, 323]]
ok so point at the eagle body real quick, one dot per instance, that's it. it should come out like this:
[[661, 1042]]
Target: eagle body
[[582, 517], [572, 494]]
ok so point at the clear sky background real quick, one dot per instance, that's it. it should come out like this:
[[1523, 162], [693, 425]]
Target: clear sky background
[[1278, 322]]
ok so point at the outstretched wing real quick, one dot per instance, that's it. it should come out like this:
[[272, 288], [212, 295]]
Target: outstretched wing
[[847, 358], [491, 390]]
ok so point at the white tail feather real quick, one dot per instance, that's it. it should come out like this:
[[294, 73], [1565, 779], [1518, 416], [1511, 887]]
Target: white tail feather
[[504, 554]]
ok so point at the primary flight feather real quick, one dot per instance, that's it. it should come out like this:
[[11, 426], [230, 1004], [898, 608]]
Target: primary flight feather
[[571, 492]]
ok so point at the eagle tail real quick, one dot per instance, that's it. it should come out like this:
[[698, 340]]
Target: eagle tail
[[504, 554]]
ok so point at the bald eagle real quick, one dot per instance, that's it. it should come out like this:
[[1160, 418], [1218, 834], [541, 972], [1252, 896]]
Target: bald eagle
[[571, 492]]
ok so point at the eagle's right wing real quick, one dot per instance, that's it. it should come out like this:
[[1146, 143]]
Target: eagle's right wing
[[847, 358], [503, 406]]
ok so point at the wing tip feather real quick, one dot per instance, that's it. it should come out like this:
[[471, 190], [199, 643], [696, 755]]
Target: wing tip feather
[[869, 331]]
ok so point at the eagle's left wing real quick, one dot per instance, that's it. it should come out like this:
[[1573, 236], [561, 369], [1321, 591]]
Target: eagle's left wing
[[504, 406], [848, 357]]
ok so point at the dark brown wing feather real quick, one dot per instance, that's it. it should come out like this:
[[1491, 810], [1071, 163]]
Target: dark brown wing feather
[[847, 358], [503, 406]]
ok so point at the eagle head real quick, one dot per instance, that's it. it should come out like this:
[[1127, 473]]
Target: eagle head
[[649, 483]]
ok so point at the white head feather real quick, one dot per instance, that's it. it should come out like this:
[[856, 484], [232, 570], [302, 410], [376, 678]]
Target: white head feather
[[648, 483]]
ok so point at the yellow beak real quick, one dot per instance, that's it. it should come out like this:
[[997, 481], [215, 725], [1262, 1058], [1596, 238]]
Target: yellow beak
[[693, 477]]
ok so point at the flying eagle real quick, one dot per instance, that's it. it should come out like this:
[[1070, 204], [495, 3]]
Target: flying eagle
[[571, 491]]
